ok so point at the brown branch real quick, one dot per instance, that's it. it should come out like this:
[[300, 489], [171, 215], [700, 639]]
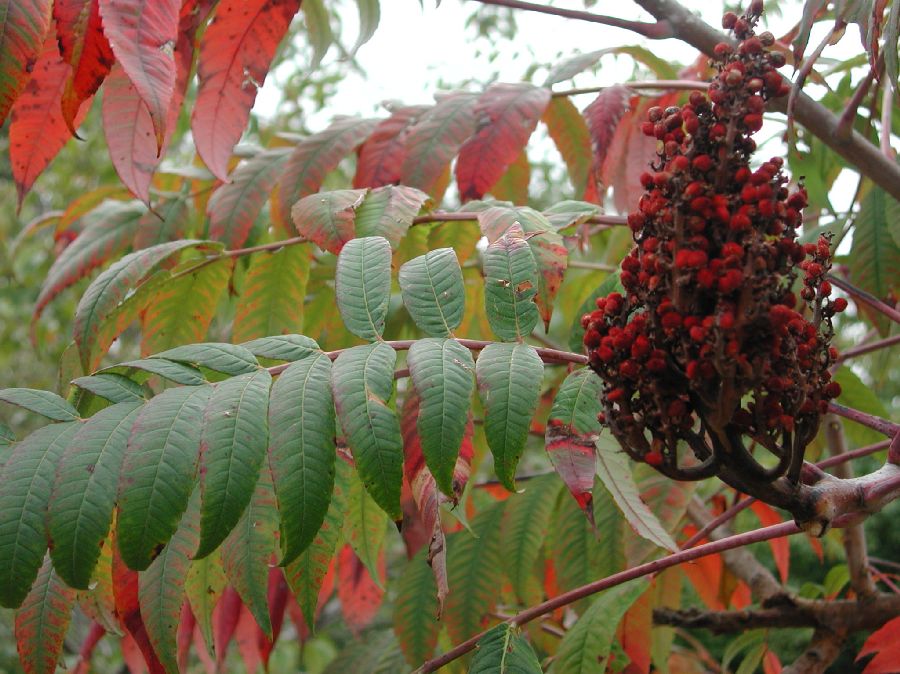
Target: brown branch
[[853, 537], [889, 428], [683, 85], [689, 28], [861, 295], [848, 615], [824, 648], [551, 356], [655, 31], [885, 343], [529, 614]]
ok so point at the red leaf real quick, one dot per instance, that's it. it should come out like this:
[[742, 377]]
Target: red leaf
[[424, 488], [127, 125], [314, 157], [22, 31], [781, 549], [186, 625], [771, 663], [233, 207], [225, 620], [278, 597], [603, 116], [84, 47], [128, 610], [143, 34], [382, 155], [83, 666], [245, 636], [360, 596], [435, 139], [886, 643], [574, 457], [629, 154], [235, 54], [42, 622], [507, 115], [37, 131]]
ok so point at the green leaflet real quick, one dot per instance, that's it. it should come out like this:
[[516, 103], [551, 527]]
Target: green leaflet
[[110, 288], [474, 573], [875, 253], [327, 219], [84, 493], [566, 215], [301, 450], [45, 403], [305, 574], [389, 211], [26, 480], [42, 621], [509, 385], [271, 301], [614, 470], [362, 383], [433, 291], [586, 646], [283, 347], [525, 526], [204, 586], [441, 371], [248, 549], [159, 472], [234, 440], [416, 611], [369, 16], [114, 387], [365, 526], [230, 359], [609, 284], [503, 650], [511, 283], [362, 285], [161, 588], [318, 29], [168, 369]]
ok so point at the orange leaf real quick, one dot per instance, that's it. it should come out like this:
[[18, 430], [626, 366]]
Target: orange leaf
[[781, 549], [235, 54], [885, 643], [143, 34]]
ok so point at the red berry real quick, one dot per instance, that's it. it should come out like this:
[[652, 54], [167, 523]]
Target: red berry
[[653, 458]]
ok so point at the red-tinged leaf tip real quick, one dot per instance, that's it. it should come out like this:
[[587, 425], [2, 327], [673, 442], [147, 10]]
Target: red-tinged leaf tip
[[143, 34], [37, 131], [83, 45], [884, 642], [381, 156], [781, 550], [235, 54], [507, 115], [574, 458], [359, 594], [42, 621], [20, 46], [603, 116]]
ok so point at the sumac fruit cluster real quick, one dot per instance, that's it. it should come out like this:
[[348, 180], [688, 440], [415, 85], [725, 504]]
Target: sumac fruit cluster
[[723, 329]]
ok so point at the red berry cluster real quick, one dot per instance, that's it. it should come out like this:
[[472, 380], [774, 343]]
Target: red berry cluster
[[709, 342]]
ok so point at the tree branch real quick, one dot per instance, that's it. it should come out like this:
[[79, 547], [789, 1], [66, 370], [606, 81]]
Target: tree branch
[[823, 649], [683, 85], [529, 614], [848, 615], [885, 343], [689, 28], [854, 537], [655, 31], [861, 295]]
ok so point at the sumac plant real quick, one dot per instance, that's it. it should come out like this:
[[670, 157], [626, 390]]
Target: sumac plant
[[496, 432]]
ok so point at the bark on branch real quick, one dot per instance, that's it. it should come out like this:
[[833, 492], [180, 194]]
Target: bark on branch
[[846, 615]]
